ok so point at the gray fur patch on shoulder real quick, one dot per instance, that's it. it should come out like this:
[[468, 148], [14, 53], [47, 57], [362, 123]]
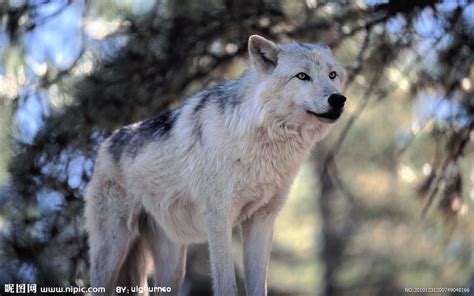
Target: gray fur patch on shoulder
[[132, 138], [225, 95], [308, 46], [197, 130]]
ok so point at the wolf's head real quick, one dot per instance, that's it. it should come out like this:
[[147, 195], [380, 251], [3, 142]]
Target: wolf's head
[[300, 83]]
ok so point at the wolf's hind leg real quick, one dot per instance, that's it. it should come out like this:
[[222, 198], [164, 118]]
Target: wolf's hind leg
[[169, 258], [134, 271], [110, 234]]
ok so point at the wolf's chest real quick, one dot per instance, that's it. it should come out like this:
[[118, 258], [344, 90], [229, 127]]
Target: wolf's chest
[[264, 170], [257, 186], [260, 178]]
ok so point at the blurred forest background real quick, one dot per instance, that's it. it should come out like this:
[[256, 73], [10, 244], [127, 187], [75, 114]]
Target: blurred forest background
[[384, 203]]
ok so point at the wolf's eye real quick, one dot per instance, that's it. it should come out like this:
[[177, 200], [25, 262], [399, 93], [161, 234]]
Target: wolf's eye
[[303, 76], [332, 74]]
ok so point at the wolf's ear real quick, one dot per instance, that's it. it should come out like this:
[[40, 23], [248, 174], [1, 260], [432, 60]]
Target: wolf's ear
[[263, 54]]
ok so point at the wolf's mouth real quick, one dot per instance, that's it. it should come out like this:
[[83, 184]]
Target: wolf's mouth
[[328, 116]]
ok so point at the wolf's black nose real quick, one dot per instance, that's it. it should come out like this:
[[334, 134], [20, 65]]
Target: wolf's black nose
[[337, 101]]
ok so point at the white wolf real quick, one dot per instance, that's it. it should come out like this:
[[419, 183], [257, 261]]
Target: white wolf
[[226, 157]]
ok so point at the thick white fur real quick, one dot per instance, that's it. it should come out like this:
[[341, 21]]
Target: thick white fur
[[176, 192]]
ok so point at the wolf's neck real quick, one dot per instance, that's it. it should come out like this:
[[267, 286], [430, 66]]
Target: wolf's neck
[[251, 119]]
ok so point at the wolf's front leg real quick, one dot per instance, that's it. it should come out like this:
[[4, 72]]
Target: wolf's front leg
[[220, 250], [257, 234]]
